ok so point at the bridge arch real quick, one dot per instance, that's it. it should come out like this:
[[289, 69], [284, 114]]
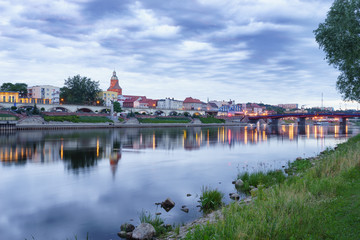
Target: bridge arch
[[84, 109], [143, 112], [159, 113], [59, 109], [173, 113]]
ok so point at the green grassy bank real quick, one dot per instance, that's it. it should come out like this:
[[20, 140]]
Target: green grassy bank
[[77, 119], [164, 120], [313, 202], [211, 120]]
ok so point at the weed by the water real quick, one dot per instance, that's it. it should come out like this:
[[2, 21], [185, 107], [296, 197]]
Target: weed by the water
[[156, 222], [210, 199], [260, 178]]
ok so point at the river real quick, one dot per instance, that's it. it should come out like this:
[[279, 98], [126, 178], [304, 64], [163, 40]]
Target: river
[[64, 184]]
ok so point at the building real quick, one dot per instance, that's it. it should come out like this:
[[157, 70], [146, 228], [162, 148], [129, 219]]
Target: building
[[169, 103], [114, 84], [46, 92], [108, 97], [289, 106], [193, 104], [9, 97]]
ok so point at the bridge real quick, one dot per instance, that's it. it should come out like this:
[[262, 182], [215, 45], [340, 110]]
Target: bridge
[[89, 108], [302, 117]]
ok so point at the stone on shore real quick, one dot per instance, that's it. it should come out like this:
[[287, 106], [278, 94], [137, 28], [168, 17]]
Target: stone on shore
[[127, 227], [168, 204], [185, 209], [239, 183], [144, 231], [234, 196]]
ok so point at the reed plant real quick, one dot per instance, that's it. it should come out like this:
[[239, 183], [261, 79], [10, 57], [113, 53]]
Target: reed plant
[[157, 222], [210, 199]]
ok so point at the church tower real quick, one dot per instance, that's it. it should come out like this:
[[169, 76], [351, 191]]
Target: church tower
[[114, 84]]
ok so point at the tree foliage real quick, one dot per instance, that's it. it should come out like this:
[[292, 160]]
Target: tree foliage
[[17, 87], [339, 37], [80, 90], [117, 107]]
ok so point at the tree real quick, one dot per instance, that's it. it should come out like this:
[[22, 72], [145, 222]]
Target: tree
[[339, 37], [117, 107], [17, 87], [80, 90]]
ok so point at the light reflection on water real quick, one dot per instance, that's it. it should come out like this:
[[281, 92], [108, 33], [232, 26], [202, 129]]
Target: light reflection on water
[[59, 183]]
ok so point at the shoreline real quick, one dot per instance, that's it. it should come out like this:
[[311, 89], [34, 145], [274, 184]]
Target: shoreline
[[214, 223], [52, 126]]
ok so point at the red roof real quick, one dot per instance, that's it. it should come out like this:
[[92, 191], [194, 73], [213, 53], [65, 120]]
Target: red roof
[[191, 100]]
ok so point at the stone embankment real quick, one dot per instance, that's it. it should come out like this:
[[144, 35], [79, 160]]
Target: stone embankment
[[38, 123]]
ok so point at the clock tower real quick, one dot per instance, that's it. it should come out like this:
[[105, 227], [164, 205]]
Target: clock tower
[[114, 84]]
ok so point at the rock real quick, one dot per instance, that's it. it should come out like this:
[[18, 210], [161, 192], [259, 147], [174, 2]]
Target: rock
[[198, 205], [143, 231], [239, 183], [251, 187], [188, 195], [158, 203], [185, 210], [298, 158], [122, 234], [158, 213], [168, 204], [127, 227], [253, 192], [233, 182], [235, 196], [183, 206]]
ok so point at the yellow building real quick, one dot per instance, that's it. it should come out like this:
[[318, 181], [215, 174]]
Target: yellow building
[[9, 97], [108, 97], [13, 97]]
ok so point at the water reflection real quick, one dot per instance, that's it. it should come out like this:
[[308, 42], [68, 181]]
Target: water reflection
[[83, 149]]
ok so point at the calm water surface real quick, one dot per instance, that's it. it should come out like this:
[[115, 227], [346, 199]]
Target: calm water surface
[[58, 184]]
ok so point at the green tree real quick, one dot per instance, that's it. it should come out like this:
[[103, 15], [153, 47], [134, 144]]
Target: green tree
[[339, 37], [17, 87], [80, 90], [117, 107]]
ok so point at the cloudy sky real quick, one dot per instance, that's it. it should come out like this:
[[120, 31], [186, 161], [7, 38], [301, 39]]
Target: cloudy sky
[[246, 50]]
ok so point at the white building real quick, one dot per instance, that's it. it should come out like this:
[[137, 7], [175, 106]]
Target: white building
[[45, 92], [169, 103]]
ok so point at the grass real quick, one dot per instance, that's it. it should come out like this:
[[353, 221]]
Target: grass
[[211, 120], [210, 199], [163, 120], [7, 117], [259, 178], [156, 222], [320, 203], [77, 119]]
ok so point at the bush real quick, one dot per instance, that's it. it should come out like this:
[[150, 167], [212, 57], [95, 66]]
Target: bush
[[210, 199]]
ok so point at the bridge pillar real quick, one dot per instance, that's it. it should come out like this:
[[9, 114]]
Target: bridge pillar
[[301, 125], [302, 121], [254, 121], [274, 129], [343, 125], [275, 121]]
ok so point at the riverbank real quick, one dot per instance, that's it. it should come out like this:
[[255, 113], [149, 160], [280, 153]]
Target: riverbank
[[320, 203], [38, 124]]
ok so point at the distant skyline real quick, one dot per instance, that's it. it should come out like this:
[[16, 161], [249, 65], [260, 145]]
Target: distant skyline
[[247, 51]]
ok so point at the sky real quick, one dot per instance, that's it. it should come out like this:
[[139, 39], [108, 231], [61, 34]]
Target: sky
[[243, 50]]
